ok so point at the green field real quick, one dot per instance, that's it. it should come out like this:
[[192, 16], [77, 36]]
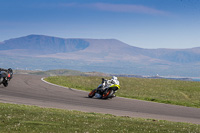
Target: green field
[[185, 93], [30, 119]]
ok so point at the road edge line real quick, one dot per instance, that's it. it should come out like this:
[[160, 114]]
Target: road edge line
[[42, 79]]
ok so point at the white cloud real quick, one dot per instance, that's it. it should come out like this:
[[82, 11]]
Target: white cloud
[[128, 8], [118, 8]]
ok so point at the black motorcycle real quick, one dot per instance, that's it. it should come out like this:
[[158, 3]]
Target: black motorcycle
[[5, 76]]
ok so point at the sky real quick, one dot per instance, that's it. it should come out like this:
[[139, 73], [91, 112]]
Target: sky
[[141, 23]]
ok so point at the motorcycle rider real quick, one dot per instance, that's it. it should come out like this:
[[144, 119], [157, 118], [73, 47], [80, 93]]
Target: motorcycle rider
[[9, 71], [106, 89], [106, 83]]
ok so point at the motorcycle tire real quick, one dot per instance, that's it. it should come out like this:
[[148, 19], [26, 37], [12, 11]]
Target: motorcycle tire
[[108, 94], [92, 93], [5, 83]]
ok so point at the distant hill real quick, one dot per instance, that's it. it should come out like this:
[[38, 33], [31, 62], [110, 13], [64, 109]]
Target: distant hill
[[104, 55], [175, 55], [60, 72]]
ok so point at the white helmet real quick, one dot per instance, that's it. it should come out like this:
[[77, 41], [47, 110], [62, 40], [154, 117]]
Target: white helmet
[[114, 78]]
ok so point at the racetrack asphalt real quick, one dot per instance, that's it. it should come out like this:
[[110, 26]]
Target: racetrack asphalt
[[31, 90]]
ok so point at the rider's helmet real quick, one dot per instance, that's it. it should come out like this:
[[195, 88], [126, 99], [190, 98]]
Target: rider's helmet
[[10, 70], [114, 78]]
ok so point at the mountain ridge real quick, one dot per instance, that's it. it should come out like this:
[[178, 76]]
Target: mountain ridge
[[98, 54], [45, 44]]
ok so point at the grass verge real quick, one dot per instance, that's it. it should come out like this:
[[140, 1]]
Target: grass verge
[[185, 93], [23, 118]]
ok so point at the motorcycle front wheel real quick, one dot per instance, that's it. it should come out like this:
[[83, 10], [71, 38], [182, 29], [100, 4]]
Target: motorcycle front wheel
[[5, 83], [92, 93]]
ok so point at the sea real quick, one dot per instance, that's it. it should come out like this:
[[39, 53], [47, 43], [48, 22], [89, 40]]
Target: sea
[[193, 79]]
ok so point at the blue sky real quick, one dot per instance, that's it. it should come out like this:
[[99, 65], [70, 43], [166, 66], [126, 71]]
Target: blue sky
[[141, 23]]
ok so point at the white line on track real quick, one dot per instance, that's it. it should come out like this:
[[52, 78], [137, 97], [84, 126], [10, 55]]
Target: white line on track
[[60, 86]]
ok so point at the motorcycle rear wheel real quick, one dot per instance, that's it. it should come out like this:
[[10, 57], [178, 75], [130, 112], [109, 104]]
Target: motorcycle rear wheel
[[108, 94]]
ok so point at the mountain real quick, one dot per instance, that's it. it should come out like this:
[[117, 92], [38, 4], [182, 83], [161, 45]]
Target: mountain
[[43, 44], [176, 55], [104, 55]]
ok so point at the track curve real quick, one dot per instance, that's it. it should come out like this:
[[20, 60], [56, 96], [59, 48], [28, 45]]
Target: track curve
[[31, 90]]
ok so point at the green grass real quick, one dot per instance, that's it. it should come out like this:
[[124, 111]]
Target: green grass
[[185, 93], [30, 119]]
